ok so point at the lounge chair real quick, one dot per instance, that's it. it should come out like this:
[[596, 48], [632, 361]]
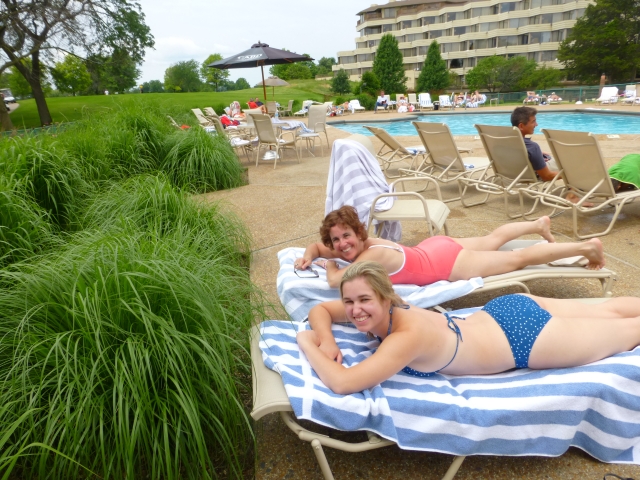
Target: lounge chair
[[272, 108], [584, 172], [390, 103], [235, 137], [355, 178], [608, 95], [202, 119], [413, 101], [554, 99], [287, 112], [305, 108], [532, 97], [445, 102], [630, 95], [355, 104], [268, 138], [250, 127], [531, 412], [209, 112], [481, 101], [511, 167], [443, 162], [424, 100], [174, 123], [395, 152], [318, 124]]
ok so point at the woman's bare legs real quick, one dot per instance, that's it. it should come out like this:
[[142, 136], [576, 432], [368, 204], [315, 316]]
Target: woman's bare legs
[[470, 263], [506, 233], [579, 333]]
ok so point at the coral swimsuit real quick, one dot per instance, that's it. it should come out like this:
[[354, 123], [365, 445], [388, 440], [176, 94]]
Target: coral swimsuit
[[428, 262]]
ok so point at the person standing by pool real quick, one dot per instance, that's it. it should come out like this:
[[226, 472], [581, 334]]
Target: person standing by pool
[[381, 101]]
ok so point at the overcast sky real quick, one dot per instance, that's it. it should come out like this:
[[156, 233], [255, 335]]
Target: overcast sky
[[194, 29]]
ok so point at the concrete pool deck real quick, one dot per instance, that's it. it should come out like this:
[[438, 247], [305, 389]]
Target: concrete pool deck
[[284, 207]]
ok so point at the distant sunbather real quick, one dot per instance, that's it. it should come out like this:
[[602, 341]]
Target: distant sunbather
[[438, 258], [512, 331], [253, 104]]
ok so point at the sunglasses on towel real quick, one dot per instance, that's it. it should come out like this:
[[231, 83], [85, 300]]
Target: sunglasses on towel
[[306, 273]]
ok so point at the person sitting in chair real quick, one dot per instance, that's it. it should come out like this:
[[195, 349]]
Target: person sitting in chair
[[257, 105], [511, 331], [381, 101]]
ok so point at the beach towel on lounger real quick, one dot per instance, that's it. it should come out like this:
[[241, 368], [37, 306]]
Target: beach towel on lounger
[[299, 295], [355, 179], [595, 407]]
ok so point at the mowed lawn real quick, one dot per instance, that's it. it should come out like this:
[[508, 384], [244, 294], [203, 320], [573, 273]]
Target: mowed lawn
[[69, 109]]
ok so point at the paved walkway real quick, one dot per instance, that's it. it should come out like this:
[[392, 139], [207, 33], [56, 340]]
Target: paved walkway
[[284, 207]]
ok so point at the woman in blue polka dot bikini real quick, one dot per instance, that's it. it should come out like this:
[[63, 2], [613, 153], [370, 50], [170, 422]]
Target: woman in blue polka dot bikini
[[512, 331]]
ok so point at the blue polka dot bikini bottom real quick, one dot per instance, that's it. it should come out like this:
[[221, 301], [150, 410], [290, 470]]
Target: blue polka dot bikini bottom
[[521, 320]]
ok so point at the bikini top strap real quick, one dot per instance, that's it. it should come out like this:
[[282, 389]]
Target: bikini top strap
[[403, 306]]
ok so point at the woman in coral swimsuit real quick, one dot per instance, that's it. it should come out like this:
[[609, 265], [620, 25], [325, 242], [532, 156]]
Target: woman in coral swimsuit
[[512, 331], [439, 258]]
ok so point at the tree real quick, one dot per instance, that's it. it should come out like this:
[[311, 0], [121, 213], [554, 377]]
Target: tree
[[388, 65], [242, 84], [434, 76], [116, 72], [33, 29], [183, 77], [325, 64], [71, 75], [292, 71], [18, 84], [153, 86], [370, 84], [213, 76], [604, 40], [542, 78], [498, 74], [340, 82]]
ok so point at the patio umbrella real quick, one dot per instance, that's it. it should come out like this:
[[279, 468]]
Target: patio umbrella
[[273, 82], [259, 55]]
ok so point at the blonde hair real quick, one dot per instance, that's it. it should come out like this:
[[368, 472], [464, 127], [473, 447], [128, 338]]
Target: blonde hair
[[377, 278]]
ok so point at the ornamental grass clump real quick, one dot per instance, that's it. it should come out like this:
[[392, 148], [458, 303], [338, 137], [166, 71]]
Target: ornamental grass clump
[[127, 351], [200, 162]]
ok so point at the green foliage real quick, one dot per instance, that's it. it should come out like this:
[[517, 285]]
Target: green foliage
[[18, 84], [434, 77], [183, 76], [153, 86], [292, 71], [200, 162], [541, 78], [371, 84], [242, 84], [143, 319], [71, 75], [116, 72], [339, 100], [367, 101], [340, 82], [325, 64], [213, 76], [497, 74], [388, 65], [604, 40]]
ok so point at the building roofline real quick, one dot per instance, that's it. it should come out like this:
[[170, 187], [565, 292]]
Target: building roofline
[[408, 3]]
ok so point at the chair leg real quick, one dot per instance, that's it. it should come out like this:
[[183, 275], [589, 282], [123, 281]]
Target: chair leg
[[257, 154]]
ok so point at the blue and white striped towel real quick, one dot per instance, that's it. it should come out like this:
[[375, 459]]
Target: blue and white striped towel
[[595, 407], [299, 295]]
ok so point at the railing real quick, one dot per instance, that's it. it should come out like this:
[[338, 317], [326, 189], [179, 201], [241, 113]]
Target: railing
[[568, 94]]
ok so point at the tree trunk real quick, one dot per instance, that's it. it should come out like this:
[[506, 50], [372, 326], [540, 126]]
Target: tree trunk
[[33, 77], [5, 120]]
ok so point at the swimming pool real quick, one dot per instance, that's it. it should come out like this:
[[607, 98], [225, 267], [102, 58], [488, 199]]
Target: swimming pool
[[462, 124]]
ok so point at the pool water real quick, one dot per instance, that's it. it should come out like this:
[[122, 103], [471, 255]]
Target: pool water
[[463, 124]]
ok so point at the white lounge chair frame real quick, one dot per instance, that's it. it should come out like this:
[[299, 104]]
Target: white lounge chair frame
[[445, 102], [511, 167], [608, 95], [270, 396], [631, 98], [583, 170], [394, 153], [235, 137], [424, 101], [356, 105], [202, 119], [413, 101], [443, 162]]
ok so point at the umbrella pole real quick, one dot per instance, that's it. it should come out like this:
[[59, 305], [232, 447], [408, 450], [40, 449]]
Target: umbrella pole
[[264, 87]]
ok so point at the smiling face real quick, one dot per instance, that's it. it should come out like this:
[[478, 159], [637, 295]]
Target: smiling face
[[364, 308], [345, 241], [529, 127]]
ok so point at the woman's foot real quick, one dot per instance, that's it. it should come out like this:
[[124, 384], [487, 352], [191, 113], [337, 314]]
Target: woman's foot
[[544, 229], [594, 253]]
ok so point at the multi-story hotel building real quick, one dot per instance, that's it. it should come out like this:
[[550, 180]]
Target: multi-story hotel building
[[467, 31]]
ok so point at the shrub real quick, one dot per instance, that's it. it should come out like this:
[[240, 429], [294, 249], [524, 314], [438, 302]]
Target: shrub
[[200, 162], [126, 350], [367, 101], [339, 100], [219, 108]]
